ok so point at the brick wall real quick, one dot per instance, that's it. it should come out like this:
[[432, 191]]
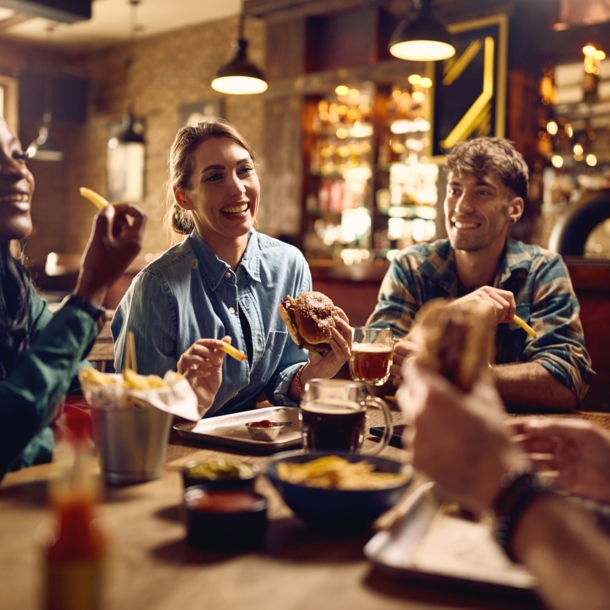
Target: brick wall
[[168, 71]]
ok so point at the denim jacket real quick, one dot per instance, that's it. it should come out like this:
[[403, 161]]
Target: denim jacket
[[189, 293]]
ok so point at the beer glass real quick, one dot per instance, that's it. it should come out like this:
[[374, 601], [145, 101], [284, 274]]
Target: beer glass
[[371, 357], [333, 416]]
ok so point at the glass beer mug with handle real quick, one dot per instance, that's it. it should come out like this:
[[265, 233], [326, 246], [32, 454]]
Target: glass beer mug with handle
[[372, 351], [333, 416]]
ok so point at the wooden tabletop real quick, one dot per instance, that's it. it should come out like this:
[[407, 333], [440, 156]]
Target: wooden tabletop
[[151, 566]]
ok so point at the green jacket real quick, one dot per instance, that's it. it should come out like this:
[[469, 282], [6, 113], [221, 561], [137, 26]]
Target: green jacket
[[43, 375]]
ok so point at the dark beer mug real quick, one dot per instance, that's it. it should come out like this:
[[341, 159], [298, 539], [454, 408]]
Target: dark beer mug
[[333, 416], [371, 358]]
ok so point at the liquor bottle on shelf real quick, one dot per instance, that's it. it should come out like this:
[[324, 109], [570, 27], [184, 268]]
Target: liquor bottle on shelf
[[74, 558]]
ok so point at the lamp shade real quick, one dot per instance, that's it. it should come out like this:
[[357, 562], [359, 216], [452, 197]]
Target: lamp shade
[[125, 161], [422, 39], [43, 148], [239, 76], [132, 131]]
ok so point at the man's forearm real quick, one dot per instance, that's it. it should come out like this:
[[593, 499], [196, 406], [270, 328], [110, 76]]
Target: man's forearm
[[563, 547], [529, 384]]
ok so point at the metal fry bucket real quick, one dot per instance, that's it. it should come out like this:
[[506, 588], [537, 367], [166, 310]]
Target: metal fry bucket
[[131, 443]]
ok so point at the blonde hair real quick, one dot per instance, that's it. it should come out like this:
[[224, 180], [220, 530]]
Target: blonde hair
[[181, 164]]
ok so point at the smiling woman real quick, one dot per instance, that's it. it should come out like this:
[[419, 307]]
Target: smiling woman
[[40, 353], [222, 284]]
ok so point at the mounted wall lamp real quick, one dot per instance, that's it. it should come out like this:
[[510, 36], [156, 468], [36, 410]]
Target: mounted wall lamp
[[239, 76], [125, 157], [43, 148], [423, 38]]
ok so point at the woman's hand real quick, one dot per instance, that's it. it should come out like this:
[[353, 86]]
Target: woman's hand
[[201, 364], [576, 450], [329, 365], [115, 241]]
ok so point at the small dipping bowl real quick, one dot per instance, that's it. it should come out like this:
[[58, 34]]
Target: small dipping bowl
[[220, 475], [264, 430], [230, 521]]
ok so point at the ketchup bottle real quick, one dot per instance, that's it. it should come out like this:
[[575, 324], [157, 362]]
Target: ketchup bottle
[[75, 556]]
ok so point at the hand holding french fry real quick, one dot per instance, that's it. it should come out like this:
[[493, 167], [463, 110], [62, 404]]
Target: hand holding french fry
[[202, 363], [115, 240]]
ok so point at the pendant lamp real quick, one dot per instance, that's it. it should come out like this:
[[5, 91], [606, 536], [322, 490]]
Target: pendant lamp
[[43, 148], [125, 158], [239, 76], [423, 38]]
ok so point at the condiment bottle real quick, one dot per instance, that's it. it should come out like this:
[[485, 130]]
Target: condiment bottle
[[74, 558]]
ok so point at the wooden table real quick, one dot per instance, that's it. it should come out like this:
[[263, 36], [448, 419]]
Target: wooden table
[[152, 568]]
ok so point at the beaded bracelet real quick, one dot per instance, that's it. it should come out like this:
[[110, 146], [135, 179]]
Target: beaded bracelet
[[518, 491]]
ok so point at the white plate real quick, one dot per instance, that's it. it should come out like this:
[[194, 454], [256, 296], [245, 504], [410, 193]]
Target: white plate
[[230, 430], [429, 544]]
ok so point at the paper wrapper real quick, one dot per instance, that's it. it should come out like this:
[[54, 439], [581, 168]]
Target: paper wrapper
[[177, 398]]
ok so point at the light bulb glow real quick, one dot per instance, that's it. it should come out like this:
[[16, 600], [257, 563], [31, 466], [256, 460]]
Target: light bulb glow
[[578, 149], [414, 79], [419, 96], [589, 49], [239, 85], [422, 50], [557, 161], [341, 90], [426, 82], [591, 160], [552, 127]]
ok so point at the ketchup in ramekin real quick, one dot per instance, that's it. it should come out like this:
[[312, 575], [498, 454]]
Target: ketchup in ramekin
[[225, 521]]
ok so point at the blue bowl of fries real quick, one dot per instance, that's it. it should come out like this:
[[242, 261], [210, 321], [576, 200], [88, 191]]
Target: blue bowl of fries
[[338, 491]]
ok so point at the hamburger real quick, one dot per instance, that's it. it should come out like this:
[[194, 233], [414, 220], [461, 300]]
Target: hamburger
[[309, 318], [455, 339]]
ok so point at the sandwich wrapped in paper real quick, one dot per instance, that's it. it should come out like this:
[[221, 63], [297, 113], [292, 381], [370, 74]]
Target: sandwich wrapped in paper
[[455, 339], [128, 390]]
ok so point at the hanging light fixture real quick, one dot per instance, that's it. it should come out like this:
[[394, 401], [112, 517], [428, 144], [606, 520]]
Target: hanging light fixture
[[239, 76], [125, 157], [423, 38], [42, 147]]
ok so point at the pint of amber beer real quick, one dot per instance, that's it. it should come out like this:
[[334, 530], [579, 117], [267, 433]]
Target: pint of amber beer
[[371, 357]]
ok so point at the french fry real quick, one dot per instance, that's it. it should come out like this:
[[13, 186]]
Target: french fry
[[95, 378], [142, 382], [97, 200], [526, 327], [234, 353], [335, 472]]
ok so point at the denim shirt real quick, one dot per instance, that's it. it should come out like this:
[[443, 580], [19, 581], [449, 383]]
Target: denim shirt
[[189, 293]]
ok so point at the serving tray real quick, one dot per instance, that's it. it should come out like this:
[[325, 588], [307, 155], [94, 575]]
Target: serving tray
[[230, 430], [431, 544]]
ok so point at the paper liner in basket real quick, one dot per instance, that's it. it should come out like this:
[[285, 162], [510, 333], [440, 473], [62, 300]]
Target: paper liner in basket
[[108, 391]]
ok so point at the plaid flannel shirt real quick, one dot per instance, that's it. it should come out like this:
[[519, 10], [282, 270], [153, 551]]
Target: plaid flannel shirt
[[543, 293]]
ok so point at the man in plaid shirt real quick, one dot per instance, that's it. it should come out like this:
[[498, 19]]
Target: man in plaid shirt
[[486, 188]]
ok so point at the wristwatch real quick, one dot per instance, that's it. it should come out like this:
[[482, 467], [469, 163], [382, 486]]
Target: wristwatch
[[78, 302], [518, 490]]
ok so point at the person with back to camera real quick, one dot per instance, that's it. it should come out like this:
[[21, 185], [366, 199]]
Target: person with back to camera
[[222, 284], [41, 353], [562, 538], [487, 182]]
